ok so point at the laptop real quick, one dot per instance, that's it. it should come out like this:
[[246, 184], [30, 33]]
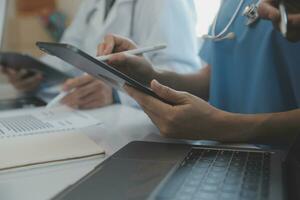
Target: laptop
[[164, 171]]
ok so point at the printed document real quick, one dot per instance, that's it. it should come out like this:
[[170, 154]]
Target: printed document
[[40, 120]]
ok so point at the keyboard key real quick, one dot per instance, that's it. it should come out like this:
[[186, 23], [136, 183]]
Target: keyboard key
[[209, 187], [223, 164], [217, 176], [247, 194], [202, 164], [212, 181], [218, 169], [233, 181], [230, 188], [196, 176], [193, 183], [205, 196], [228, 196], [187, 190], [183, 197]]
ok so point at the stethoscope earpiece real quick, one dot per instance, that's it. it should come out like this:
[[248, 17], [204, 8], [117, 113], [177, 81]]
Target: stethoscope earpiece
[[230, 36]]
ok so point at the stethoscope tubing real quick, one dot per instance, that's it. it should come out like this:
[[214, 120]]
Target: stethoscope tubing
[[222, 35]]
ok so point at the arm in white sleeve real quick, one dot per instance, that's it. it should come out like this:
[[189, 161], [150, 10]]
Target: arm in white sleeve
[[73, 35]]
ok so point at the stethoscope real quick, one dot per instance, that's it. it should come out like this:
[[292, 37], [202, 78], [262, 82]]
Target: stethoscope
[[91, 14], [250, 12]]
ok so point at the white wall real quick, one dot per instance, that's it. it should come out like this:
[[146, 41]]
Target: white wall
[[2, 18], [207, 11]]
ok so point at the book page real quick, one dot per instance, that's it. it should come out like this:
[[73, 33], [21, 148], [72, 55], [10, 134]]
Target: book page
[[46, 149]]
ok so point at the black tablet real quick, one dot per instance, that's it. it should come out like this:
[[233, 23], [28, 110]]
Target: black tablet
[[22, 102], [24, 61], [94, 67]]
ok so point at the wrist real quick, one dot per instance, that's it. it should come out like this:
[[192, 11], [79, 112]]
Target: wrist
[[229, 127], [240, 127]]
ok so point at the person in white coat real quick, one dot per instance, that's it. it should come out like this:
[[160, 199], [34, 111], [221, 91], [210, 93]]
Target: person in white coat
[[172, 22]]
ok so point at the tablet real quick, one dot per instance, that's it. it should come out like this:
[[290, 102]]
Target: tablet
[[94, 67], [22, 102], [22, 61]]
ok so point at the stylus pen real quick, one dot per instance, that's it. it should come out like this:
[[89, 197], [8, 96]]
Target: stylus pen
[[135, 51], [54, 102], [284, 19]]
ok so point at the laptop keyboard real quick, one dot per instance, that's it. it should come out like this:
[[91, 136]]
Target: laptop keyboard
[[208, 174]]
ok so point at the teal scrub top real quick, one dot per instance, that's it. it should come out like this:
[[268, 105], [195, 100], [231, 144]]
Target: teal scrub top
[[257, 72]]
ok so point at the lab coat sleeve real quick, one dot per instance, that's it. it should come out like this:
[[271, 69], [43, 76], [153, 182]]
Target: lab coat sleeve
[[72, 35], [171, 22]]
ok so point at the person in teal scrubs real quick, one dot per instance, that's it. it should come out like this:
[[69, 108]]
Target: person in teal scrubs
[[249, 91], [257, 71]]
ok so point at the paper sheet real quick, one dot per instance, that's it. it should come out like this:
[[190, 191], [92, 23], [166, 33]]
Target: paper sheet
[[40, 120]]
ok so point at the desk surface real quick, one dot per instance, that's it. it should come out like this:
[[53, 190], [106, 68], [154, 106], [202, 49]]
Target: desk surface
[[121, 126]]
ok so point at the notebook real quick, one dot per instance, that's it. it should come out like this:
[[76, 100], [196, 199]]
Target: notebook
[[40, 136], [46, 149]]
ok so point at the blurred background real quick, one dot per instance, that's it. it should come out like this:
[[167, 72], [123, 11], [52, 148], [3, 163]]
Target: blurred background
[[30, 20]]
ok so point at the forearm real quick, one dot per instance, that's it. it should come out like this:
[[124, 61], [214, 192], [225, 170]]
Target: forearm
[[260, 128], [196, 83]]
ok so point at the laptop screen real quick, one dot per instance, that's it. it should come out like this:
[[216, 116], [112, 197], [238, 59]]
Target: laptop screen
[[3, 7], [293, 170]]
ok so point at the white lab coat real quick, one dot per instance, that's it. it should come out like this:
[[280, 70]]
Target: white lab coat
[[172, 22]]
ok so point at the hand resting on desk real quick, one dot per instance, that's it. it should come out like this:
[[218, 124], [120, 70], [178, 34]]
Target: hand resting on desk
[[22, 79], [88, 93]]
